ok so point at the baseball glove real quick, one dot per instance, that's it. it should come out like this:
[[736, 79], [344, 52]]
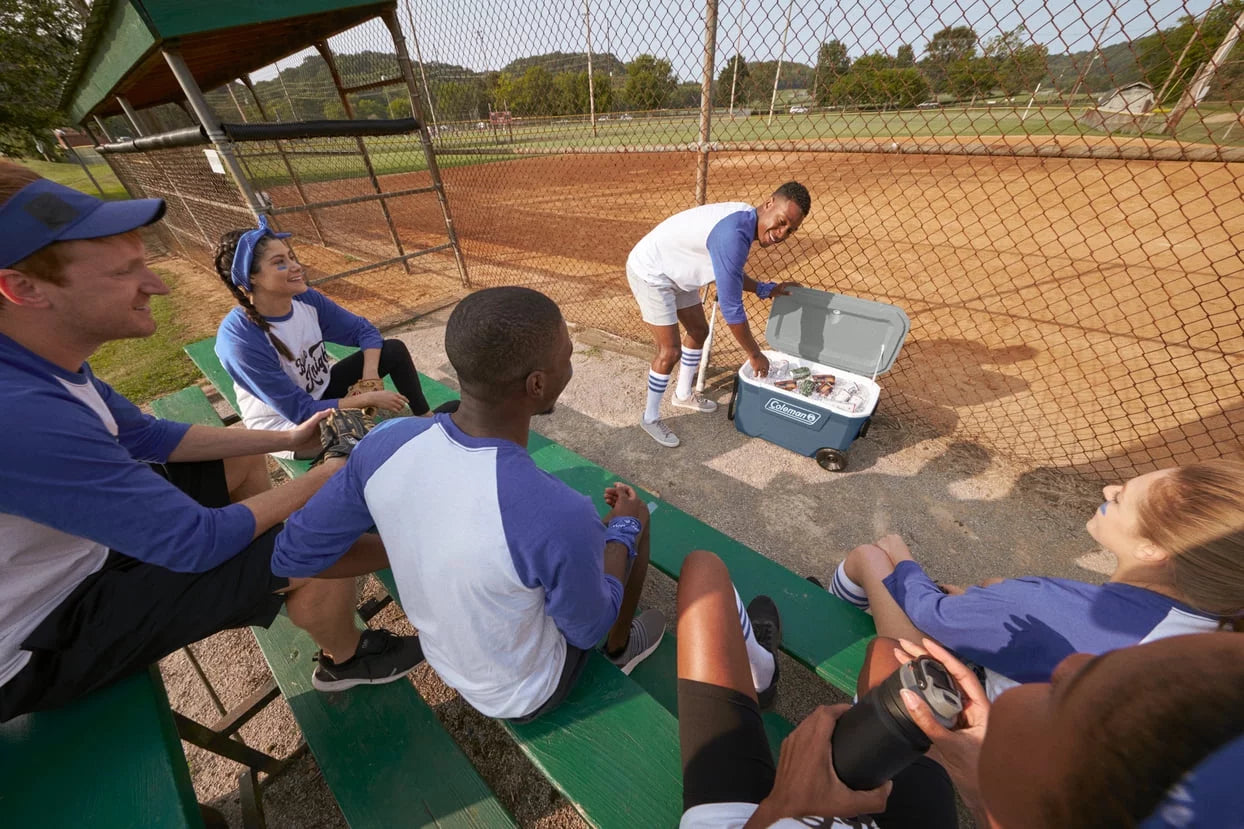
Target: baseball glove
[[363, 387], [340, 432]]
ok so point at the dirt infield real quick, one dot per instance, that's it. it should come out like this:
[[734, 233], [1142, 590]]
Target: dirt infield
[[1067, 312]]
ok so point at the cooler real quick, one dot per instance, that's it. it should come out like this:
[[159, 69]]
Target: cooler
[[849, 339]]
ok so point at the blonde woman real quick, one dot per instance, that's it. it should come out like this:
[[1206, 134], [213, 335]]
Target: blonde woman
[[1178, 538]]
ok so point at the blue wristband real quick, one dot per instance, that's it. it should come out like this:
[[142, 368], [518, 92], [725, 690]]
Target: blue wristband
[[625, 531], [765, 289]]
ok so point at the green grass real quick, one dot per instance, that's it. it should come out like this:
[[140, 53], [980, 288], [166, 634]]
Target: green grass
[[71, 175], [147, 368]]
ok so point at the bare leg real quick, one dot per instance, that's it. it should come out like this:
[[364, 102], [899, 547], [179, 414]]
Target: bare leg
[[621, 630], [668, 351], [325, 608], [696, 325], [710, 639], [868, 566], [879, 663], [246, 476]]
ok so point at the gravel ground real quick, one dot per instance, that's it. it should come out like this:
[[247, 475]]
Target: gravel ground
[[965, 512]]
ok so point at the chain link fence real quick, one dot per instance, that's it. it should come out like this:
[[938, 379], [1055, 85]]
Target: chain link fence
[[1053, 193]]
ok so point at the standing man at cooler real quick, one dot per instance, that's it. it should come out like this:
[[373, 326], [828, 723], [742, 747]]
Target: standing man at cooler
[[681, 255]]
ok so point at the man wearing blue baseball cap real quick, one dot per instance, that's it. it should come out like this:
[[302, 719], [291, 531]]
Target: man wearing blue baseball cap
[[124, 537]]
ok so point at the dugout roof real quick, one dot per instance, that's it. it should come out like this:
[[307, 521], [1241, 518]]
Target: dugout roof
[[220, 40]]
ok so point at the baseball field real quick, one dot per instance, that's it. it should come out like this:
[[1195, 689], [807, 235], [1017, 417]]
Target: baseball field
[[1078, 313]]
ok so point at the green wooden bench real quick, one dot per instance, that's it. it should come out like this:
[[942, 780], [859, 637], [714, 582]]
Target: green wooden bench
[[381, 749], [578, 745], [112, 759]]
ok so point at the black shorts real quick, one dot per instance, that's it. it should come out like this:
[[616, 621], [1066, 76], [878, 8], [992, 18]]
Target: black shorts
[[130, 614], [726, 759], [576, 658]]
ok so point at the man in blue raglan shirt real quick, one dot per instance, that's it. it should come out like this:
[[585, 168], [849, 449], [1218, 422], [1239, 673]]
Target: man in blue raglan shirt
[[509, 575], [681, 255], [124, 537]]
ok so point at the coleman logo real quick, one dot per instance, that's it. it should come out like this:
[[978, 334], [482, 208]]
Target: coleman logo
[[781, 407]]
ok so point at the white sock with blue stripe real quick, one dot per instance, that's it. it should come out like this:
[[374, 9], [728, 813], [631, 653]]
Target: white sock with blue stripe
[[688, 366], [760, 660], [657, 383], [847, 590]]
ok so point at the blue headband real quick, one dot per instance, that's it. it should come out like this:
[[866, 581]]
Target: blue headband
[[44, 212], [244, 256]]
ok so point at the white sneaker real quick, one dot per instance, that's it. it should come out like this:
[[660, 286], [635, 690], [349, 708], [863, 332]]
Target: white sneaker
[[695, 403], [660, 432], [647, 631]]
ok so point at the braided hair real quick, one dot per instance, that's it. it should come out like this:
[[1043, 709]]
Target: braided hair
[[224, 266]]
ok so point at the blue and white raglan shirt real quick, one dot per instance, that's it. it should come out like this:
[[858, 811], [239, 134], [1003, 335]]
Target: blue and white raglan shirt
[[1208, 797], [498, 564], [1020, 629], [275, 393], [698, 246], [73, 487]]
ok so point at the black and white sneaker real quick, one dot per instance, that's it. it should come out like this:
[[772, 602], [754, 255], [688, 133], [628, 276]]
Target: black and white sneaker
[[381, 657], [767, 628]]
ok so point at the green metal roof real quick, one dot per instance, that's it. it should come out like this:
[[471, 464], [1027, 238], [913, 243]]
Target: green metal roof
[[220, 41]]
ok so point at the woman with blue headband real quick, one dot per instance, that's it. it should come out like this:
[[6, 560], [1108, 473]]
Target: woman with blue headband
[[273, 345]]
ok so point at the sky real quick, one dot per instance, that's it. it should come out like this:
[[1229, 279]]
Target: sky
[[487, 34]]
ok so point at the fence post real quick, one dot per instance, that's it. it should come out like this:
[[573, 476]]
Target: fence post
[[706, 100], [172, 185], [211, 124], [327, 53], [280, 148], [389, 15]]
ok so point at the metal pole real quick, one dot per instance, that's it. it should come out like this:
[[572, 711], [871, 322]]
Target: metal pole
[[153, 159], [1196, 91], [1096, 55], [777, 76], [102, 128], [427, 91], [78, 158], [706, 100], [591, 92], [1196, 35], [280, 148], [293, 113], [738, 57], [434, 171], [327, 54], [211, 124], [131, 116]]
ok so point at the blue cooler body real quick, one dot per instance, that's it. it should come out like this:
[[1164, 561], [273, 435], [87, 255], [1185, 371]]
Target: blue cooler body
[[853, 339]]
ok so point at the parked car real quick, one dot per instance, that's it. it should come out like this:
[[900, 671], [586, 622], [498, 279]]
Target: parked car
[[626, 117], [928, 105], [798, 110]]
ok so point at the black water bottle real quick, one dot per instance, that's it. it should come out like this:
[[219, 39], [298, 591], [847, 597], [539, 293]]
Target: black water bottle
[[876, 738]]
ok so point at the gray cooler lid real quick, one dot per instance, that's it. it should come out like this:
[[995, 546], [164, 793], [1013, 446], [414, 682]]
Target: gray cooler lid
[[837, 330]]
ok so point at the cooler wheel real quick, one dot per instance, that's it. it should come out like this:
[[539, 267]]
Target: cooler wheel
[[831, 459], [864, 428]]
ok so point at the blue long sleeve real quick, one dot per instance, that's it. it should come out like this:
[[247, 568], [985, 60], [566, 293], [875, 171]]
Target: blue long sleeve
[[339, 325], [729, 243]]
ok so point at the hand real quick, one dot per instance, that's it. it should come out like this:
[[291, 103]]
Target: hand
[[760, 365], [958, 751], [388, 400], [306, 432], [895, 548], [784, 289], [806, 783], [623, 500]]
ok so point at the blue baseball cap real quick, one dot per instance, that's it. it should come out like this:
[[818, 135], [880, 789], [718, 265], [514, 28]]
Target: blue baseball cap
[[244, 255], [44, 212]]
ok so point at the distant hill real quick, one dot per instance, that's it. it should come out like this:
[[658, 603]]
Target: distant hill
[[556, 62]]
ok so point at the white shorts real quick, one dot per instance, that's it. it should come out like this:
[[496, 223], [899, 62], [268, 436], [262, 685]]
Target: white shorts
[[660, 304]]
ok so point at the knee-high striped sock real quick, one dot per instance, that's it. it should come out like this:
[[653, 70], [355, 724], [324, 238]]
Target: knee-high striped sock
[[847, 590], [760, 660], [686, 371], [657, 384]]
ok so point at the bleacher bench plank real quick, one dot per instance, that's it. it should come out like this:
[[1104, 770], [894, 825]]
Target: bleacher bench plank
[[381, 750], [110, 760]]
